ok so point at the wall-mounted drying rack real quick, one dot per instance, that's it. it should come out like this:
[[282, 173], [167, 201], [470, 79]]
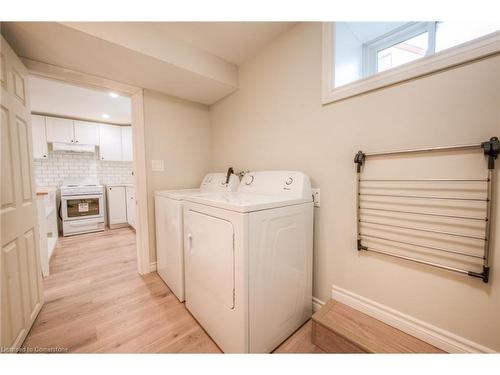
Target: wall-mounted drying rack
[[491, 150]]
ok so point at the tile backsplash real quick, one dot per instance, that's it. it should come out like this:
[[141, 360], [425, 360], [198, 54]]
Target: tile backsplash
[[62, 166]]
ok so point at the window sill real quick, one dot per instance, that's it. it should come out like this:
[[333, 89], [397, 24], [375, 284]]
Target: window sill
[[464, 53]]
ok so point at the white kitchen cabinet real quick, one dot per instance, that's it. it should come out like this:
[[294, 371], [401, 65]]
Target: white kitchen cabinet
[[59, 130], [86, 133], [110, 142], [117, 206], [39, 137], [127, 154], [130, 195]]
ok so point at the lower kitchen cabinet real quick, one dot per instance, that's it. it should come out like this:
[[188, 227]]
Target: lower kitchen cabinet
[[130, 195], [121, 206]]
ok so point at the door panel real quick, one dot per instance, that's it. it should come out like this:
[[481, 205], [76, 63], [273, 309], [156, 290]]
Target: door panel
[[7, 178], [210, 248], [21, 278], [24, 151], [13, 324], [31, 267], [19, 86]]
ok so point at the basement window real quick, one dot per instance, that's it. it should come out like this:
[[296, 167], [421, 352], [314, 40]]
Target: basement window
[[363, 56]]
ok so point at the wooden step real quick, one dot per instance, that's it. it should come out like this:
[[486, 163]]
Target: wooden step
[[338, 328]]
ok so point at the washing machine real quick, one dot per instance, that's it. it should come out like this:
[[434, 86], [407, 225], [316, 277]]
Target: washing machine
[[248, 260], [169, 227]]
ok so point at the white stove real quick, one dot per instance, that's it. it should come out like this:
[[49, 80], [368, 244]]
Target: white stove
[[82, 208]]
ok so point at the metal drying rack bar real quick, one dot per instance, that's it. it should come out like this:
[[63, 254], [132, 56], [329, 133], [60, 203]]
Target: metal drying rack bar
[[491, 150]]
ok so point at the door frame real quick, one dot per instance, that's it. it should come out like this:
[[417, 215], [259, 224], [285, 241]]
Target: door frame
[[138, 136]]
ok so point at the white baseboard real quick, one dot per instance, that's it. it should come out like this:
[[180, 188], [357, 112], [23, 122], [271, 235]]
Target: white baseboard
[[152, 267], [433, 335], [317, 304]]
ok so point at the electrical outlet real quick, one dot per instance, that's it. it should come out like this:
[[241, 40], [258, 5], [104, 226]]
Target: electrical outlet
[[316, 197]]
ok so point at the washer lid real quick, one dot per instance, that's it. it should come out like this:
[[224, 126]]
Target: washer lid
[[213, 182], [177, 194], [245, 202]]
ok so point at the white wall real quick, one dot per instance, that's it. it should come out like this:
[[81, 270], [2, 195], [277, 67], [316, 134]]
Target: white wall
[[276, 121], [178, 132]]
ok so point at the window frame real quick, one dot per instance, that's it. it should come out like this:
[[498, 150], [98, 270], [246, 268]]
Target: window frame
[[463, 53], [396, 36]]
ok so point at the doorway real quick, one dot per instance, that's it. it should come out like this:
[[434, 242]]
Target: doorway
[[135, 95], [82, 162]]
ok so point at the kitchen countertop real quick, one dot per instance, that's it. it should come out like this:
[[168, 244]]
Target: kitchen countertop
[[44, 190]]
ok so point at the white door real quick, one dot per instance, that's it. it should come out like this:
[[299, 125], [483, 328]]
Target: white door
[[127, 154], [110, 142], [210, 258], [117, 205], [210, 278], [86, 133], [21, 277], [129, 193], [39, 138], [59, 130]]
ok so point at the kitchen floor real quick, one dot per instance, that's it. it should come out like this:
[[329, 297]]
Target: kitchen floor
[[95, 301]]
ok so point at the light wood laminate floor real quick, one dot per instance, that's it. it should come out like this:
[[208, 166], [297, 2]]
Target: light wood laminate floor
[[95, 301]]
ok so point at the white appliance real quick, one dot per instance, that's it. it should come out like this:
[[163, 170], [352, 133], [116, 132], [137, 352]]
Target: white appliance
[[169, 227], [81, 209], [248, 260]]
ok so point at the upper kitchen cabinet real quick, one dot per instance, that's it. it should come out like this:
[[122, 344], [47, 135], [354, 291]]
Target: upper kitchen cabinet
[[127, 154], [110, 142], [59, 130], [39, 137], [86, 133], [63, 130]]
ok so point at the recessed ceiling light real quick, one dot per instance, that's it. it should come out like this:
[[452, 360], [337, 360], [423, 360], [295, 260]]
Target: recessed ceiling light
[[105, 115], [113, 94]]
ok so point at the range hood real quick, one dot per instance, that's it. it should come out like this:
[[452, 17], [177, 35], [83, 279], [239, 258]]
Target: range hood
[[56, 146]]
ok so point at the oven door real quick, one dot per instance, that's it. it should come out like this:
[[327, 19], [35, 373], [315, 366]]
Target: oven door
[[77, 207]]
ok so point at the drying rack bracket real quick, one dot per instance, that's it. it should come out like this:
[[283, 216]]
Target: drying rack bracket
[[491, 149]]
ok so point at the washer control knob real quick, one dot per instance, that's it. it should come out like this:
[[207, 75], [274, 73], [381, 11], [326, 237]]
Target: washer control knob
[[289, 181], [249, 180]]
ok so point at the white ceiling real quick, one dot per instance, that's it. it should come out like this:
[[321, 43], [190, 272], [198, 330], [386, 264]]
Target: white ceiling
[[197, 61], [234, 42], [62, 99]]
